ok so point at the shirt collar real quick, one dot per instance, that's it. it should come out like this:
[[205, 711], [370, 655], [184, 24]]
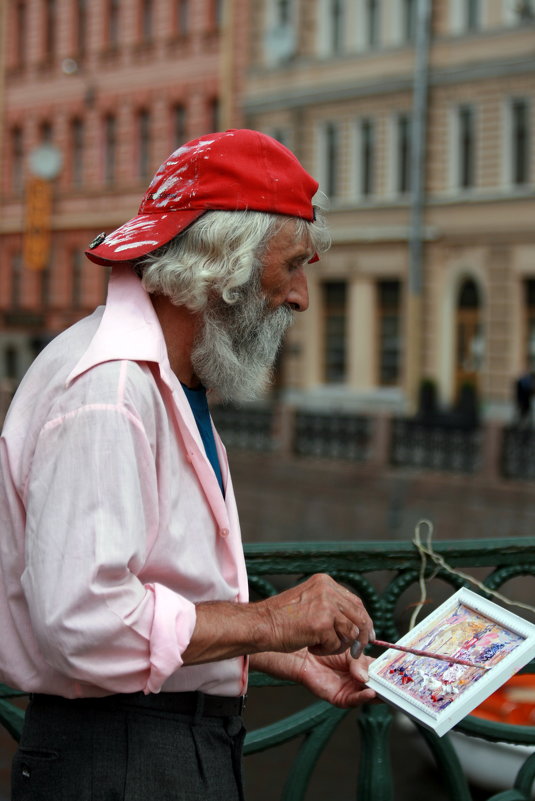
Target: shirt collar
[[129, 328]]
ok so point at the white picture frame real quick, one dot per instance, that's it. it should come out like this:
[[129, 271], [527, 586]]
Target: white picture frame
[[438, 693]]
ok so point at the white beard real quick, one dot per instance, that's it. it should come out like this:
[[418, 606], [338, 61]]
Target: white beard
[[236, 349]]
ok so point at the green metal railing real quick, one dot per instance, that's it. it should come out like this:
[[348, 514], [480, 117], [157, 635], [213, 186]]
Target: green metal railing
[[385, 575]]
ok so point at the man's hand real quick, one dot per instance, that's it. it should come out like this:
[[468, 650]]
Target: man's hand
[[318, 614], [338, 679]]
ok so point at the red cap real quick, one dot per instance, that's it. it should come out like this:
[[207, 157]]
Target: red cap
[[234, 170]]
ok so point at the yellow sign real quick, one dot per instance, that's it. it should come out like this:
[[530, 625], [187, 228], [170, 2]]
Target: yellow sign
[[36, 248]]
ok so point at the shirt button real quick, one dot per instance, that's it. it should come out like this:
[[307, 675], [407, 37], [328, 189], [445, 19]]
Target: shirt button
[[224, 532]]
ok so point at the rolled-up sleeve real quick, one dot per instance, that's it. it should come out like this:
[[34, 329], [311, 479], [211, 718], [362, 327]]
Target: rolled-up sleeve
[[92, 517]]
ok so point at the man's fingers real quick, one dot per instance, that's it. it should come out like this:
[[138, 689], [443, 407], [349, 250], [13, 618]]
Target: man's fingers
[[356, 649]]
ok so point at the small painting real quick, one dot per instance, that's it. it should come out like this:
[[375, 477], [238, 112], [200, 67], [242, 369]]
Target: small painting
[[440, 693]]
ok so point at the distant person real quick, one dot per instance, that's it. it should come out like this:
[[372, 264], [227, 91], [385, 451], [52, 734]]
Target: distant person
[[123, 600], [524, 391]]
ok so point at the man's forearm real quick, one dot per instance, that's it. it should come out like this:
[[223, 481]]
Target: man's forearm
[[318, 614], [224, 630]]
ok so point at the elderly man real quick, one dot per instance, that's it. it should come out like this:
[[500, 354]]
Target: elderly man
[[124, 606]]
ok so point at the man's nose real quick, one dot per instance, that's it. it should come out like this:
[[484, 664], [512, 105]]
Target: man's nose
[[298, 294]]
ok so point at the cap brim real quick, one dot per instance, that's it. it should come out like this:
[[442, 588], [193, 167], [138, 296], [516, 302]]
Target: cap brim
[[141, 235]]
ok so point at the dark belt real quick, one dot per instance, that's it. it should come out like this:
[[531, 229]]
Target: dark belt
[[187, 703]]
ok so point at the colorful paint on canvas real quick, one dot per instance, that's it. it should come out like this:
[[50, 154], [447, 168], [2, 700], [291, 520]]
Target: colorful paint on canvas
[[462, 633]]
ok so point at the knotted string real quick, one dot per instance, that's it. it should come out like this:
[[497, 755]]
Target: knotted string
[[427, 551]]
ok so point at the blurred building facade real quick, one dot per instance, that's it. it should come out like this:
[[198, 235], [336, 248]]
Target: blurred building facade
[[113, 87], [418, 126], [418, 119]]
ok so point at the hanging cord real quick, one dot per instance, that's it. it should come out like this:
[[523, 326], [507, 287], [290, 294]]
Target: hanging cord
[[427, 551]]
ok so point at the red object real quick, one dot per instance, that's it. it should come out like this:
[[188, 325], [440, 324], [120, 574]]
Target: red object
[[513, 703], [234, 170]]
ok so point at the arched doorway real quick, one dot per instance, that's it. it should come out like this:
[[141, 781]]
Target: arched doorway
[[469, 336]]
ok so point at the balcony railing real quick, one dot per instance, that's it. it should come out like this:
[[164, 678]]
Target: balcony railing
[[492, 450], [385, 575]]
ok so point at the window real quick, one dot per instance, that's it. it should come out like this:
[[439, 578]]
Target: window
[[336, 19], [466, 147], [471, 14], [389, 328], [280, 34], [81, 27], [216, 14], [403, 153], [282, 135], [146, 20], [143, 122], [372, 23], [49, 30], [178, 125], [214, 114], [17, 160], [76, 285], [110, 149], [469, 334], [335, 325], [11, 361], [77, 152], [330, 159], [112, 33], [46, 281], [529, 306], [283, 10], [409, 20], [45, 132], [20, 32], [366, 157], [525, 10], [16, 280], [520, 142], [182, 17]]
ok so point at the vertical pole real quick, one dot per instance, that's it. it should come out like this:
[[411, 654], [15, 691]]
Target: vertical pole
[[375, 772], [413, 351], [227, 66], [3, 47]]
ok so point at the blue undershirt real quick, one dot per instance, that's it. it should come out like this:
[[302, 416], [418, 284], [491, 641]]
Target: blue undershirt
[[199, 406]]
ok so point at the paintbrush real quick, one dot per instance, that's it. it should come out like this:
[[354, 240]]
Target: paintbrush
[[429, 654]]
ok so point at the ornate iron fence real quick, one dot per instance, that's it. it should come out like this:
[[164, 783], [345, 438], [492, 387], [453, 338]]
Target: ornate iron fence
[[437, 447], [385, 575], [518, 452], [246, 427], [443, 445], [332, 436]]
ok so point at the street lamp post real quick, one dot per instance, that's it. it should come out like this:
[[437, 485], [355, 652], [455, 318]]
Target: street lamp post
[[44, 164], [413, 367]]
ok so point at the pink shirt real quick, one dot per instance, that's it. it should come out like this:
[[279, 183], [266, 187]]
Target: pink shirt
[[112, 521]]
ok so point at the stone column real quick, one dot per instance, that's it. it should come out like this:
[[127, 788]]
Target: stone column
[[361, 333]]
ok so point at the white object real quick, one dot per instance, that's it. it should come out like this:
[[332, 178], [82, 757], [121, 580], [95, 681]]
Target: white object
[[413, 695]]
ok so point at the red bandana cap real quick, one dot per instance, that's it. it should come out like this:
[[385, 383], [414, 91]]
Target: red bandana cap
[[234, 170]]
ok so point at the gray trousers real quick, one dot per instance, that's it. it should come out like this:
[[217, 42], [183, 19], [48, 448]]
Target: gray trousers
[[112, 749]]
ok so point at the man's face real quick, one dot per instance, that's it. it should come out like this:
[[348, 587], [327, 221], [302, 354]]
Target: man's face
[[237, 346], [283, 276]]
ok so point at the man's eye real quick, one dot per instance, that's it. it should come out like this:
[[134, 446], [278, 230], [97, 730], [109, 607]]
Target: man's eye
[[296, 265]]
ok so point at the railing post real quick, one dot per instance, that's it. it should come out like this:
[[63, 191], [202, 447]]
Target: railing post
[[491, 446], [284, 429], [375, 772], [380, 445]]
